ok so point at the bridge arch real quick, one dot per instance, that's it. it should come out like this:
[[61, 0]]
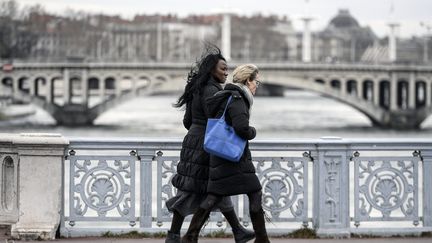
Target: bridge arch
[[160, 78], [38, 84], [7, 81], [332, 79], [24, 84], [159, 82], [93, 83], [368, 89], [320, 81], [335, 84], [384, 94], [363, 106], [420, 93], [402, 94], [427, 86], [352, 86], [75, 87], [55, 89], [109, 82], [144, 81], [125, 84]]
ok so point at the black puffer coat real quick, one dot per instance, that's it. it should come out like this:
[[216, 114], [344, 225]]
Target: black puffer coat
[[226, 177], [193, 168]]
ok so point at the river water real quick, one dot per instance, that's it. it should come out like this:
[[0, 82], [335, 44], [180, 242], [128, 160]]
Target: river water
[[299, 114]]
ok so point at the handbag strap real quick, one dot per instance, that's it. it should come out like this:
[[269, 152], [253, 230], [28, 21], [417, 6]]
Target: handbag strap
[[226, 106]]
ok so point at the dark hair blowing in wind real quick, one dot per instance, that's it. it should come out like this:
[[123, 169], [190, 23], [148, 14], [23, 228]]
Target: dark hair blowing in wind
[[200, 73]]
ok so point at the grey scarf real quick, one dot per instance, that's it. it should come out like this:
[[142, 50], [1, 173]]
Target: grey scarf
[[248, 93]]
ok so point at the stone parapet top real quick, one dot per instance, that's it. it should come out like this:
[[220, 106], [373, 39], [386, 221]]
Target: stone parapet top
[[39, 139], [40, 134], [6, 138], [41, 144]]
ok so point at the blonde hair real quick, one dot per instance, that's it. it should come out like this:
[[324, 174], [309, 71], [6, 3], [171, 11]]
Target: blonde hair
[[245, 72]]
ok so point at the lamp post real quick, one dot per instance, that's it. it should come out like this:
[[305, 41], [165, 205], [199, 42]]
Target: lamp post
[[159, 29], [428, 28], [392, 45], [392, 41], [307, 37], [307, 40], [226, 35]]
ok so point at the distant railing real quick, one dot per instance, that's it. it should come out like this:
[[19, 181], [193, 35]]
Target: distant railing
[[338, 186]]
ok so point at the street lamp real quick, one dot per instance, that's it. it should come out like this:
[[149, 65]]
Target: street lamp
[[428, 28], [392, 42], [307, 36]]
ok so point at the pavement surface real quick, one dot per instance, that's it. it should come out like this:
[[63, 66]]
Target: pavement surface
[[226, 240], [4, 238]]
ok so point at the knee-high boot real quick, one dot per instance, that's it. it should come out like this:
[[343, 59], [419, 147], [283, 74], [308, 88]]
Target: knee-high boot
[[198, 220], [173, 235], [258, 223], [241, 234]]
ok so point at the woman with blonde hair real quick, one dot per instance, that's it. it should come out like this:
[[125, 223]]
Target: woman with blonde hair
[[227, 178]]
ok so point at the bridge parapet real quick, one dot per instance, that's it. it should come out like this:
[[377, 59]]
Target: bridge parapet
[[350, 178], [338, 186], [31, 184]]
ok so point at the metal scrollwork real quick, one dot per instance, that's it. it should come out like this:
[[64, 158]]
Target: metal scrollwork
[[388, 186], [167, 168], [103, 186], [284, 187]]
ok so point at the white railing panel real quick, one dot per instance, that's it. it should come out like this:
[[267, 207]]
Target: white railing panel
[[101, 188], [357, 183], [386, 189]]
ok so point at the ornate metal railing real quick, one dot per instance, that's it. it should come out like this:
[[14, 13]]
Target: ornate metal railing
[[123, 184]]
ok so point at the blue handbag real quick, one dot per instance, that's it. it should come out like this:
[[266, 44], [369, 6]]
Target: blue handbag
[[221, 140]]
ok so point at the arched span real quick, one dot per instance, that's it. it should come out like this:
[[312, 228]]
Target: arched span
[[7, 81], [374, 113], [38, 85], [24, 83], [159, 79], [144, 81]]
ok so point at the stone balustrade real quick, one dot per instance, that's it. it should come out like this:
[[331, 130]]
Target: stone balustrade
[[337, 186]]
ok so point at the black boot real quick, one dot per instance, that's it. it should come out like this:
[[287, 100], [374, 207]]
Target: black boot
[[198, 220], [172, 237], [241, 235], [258, 224]]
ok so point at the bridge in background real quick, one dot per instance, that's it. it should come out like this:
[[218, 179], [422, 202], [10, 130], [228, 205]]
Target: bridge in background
[[395, 96]]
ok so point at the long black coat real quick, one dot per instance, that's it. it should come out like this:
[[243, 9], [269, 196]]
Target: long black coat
[[193, 168], [226, 177]]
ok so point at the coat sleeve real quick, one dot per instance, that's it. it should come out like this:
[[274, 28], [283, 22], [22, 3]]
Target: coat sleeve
[[187, 118], [208, 92], [239, 114]]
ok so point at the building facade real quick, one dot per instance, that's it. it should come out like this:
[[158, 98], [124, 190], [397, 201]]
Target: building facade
[[81, 37]]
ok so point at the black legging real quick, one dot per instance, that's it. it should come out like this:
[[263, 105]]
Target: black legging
[[255, 200]]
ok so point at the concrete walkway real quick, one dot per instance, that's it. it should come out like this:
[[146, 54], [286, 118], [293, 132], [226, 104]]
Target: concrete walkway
[[4, 239], [229, 240]]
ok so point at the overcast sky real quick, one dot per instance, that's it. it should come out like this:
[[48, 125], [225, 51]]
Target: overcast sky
[[374, 13]]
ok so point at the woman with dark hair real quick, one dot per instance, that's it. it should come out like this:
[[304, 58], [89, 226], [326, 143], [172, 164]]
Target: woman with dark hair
[[225, 177], [203, 81]]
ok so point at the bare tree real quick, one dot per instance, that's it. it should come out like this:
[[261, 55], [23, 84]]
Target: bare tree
[[16, 36]]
